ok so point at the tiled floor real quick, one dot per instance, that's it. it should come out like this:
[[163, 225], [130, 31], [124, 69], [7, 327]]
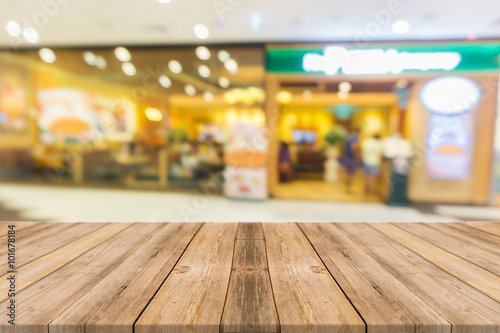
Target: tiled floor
[[45, 203]]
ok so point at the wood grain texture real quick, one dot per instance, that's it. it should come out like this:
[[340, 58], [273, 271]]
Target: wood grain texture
[[19, 226], [43, 266], [492, 228], [473, 275], [484, 238], [385, 304], [457, 243], [464, 307], [192, 298], [42, 302], [115, 303], [307, 298], [250, 304], [260, 278], [250, 231], [33, 243]]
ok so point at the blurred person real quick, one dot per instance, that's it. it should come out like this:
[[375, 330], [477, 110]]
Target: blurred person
[[371, 155], [285, 163], [351, 158]]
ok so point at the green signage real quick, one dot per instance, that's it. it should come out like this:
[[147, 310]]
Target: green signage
[[383, 59]]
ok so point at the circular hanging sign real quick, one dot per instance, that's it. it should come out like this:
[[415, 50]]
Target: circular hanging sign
[[450, 95]]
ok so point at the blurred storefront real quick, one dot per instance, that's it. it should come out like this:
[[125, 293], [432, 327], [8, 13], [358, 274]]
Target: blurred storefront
[[439, 97], [138, 118], [217, 118]]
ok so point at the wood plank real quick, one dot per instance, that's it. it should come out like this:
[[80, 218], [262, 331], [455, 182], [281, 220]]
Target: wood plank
[[19, 226], [385, 304], [115, 303], [307, 297], [42, 302], [192, 298], [457, 243], [485, 238], [464, 307], [37, 241], [490, 227], [250, 231], [250, 304], [31, 233], [47, 264], [473, 275]]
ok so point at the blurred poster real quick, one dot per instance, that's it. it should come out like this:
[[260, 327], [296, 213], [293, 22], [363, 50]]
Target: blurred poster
[[75, 116], [449, 146], [117, 119], [13, 110], [246, 160]]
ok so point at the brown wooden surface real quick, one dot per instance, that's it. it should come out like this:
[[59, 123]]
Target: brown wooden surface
[[464, 270], [192, 298], [492, 228], [307, 298], [119, 298], [250, 302], [252, 277], [383, 301], [464, 307]]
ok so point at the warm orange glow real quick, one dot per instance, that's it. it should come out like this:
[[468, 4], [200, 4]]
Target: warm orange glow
[[69, 126]]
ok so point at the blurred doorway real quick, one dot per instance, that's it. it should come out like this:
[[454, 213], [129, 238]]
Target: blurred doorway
[[310, 121]]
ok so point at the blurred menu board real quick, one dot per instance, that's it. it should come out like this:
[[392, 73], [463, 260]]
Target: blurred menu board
[[449, 146], [13, 110], [76, 116], [246, 160]]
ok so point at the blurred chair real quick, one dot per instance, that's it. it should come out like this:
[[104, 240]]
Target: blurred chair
[[309, 164], [15, 163]]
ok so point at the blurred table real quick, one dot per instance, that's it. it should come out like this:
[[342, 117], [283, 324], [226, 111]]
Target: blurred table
[[132, 164]]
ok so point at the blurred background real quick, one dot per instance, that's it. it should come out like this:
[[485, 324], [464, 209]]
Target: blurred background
[[237, 110]]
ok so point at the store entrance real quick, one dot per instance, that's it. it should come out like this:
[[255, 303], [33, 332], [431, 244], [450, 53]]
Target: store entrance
[[324, 139]]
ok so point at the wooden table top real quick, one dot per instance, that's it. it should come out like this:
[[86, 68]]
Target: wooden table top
[[230, 277]]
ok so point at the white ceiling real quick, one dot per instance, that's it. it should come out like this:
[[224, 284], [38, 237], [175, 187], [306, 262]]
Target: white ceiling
[[140, 22]]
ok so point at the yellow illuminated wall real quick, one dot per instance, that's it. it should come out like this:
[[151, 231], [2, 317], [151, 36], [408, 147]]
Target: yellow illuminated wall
[[319, 119], [192, 119], [371, 120]]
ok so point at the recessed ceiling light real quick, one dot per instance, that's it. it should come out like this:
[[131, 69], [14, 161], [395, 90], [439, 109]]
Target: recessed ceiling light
[[165, 81], [345, 86], [204, 71], [13, 28], [47, 55], [190, 90], [400, 27], [307, 94], [129, 69], [122, 54], [231, 66], [175, 66], [201, 31], [223, 56], [208, 96], [255, 22], [163, 1], [343, 94], [31, 35], [224, 82], [100, 62], [203, 53], [89, 58]]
